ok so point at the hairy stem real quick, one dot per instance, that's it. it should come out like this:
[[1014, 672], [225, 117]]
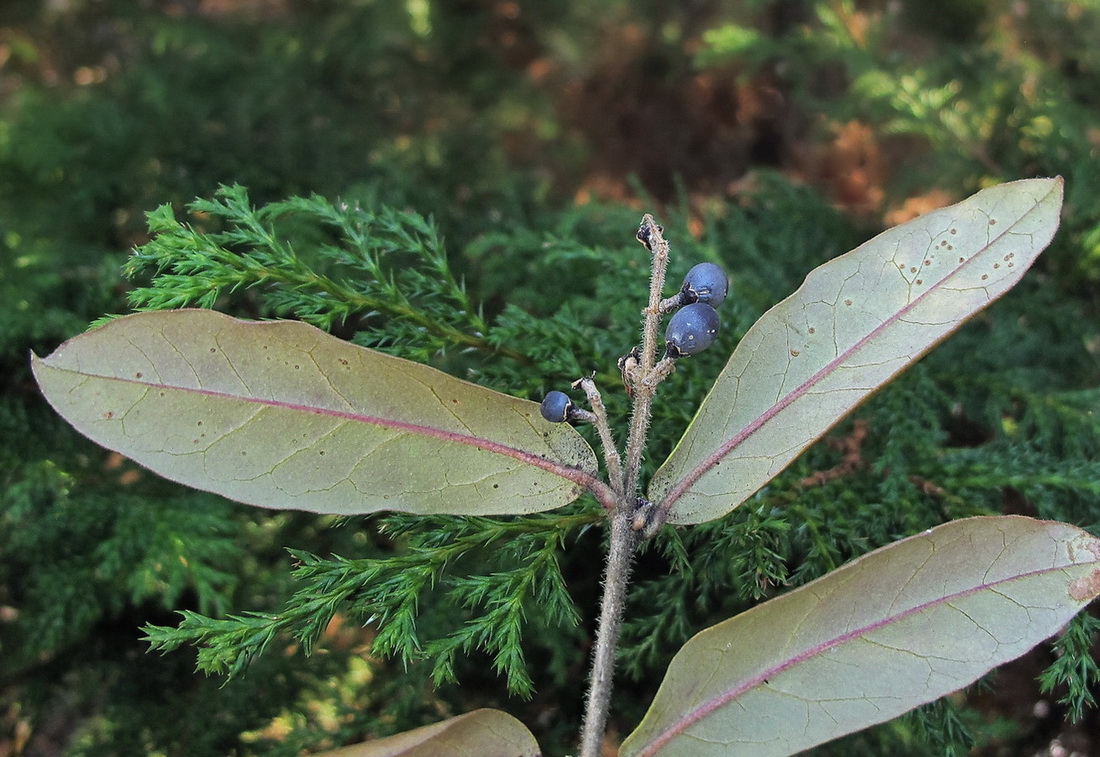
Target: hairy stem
[[616, 575], [603, 428], [649, 234], [642, 373]]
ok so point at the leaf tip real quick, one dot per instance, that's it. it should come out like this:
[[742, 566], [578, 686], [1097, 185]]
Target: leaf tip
[[1059, 186], [36, 364]]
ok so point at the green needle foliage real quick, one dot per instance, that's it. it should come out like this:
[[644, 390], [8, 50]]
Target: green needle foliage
[[518, 577], [1074, 672], [387, 265]]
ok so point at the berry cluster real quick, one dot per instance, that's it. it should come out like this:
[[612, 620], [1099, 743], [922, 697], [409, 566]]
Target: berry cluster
[[694, 327], [691, 329]]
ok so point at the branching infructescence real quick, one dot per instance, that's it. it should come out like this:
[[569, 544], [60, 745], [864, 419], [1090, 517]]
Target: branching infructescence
[[691, 329]]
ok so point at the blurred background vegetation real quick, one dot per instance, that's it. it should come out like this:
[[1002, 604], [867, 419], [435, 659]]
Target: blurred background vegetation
[[769, 136]]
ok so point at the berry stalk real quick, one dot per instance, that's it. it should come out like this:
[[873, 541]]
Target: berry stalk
[[603, 428]]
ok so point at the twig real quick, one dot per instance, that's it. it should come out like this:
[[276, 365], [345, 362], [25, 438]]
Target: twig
[[616, 575], [642, 373], [599, 413], [651, 235]]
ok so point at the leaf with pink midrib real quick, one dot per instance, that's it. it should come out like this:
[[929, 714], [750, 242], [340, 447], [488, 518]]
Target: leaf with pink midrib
[[283, 415], [855, 323], [889, 631]]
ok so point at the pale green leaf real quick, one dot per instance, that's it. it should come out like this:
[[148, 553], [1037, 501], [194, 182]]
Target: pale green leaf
[[894, 629], [280, 414], [855, 322], [481, 733]]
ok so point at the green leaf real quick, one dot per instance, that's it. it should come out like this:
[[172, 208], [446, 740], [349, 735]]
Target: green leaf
[[894, 629], [486, 733], [855, 323], [280, 414]]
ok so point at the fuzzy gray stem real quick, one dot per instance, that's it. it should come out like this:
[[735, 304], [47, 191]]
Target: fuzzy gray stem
[[659, 247], [619, 556], [643, 379], [603, 428], [639, 425], [643, 390]]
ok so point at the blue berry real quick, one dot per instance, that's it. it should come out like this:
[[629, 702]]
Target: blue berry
[[691, 330], [555, 407], [707, 283]]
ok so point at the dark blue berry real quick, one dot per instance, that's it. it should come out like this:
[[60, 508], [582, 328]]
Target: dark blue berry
[[707, 283], [691, 330], [555, 407]]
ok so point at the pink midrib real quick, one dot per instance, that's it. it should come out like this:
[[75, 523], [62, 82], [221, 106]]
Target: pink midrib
[[715, 703], [570, 473]]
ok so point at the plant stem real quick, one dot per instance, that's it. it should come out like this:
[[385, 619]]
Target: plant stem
[[603, 428], [650, 234], [643, 379], [619, 556]]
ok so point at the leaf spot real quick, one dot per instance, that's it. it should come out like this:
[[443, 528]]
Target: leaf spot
[[138, 375], [962, 259], [912, 269], [919, 282], [848, 303], [996, 266], [992, 221], [795, 353], [985, 276], [1085, 588], [954, 231], [812, 330], [109, 415]]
